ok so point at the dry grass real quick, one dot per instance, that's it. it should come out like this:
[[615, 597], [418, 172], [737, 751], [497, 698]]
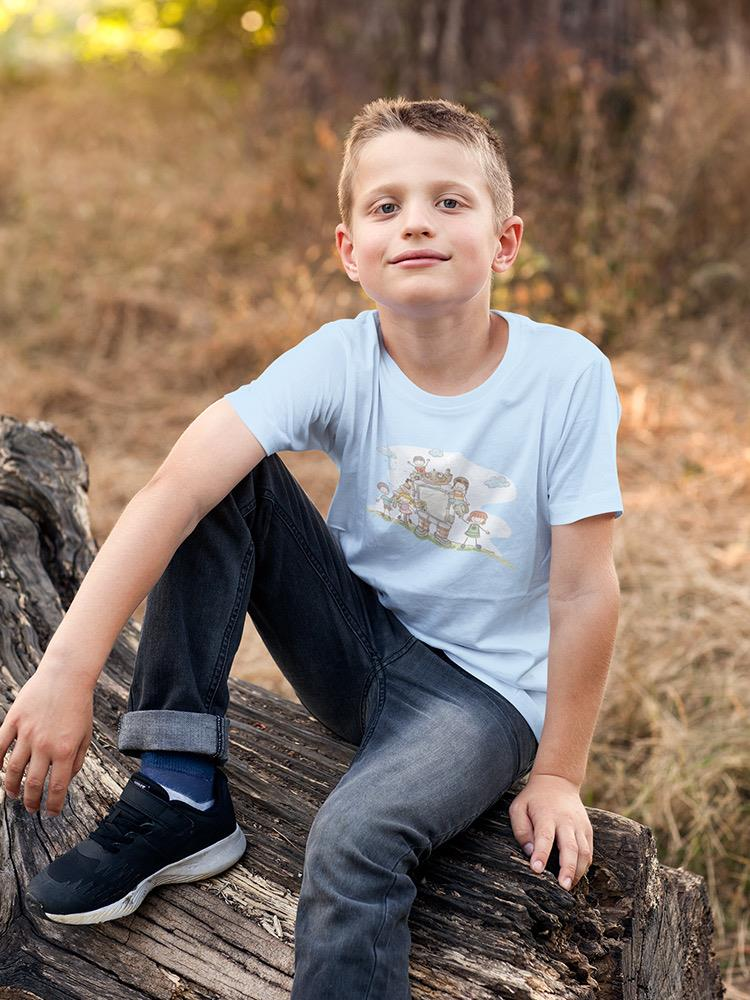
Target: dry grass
[[673, 741], [161, 240]]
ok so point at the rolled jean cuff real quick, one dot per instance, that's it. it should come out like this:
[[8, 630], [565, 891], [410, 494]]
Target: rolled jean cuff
[[167, 729]]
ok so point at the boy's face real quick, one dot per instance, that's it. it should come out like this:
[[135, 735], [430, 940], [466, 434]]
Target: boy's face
[[418, 192]]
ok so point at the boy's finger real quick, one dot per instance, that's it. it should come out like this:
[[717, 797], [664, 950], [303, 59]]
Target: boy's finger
[[15, 767], [543, 841], [57, 787], [522, 828], [7, 735], [36, 775], [584, 856], [568, 852], [590, 840], [79, 758]]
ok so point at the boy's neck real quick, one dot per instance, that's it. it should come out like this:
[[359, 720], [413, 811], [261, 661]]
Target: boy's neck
[[445, 356]]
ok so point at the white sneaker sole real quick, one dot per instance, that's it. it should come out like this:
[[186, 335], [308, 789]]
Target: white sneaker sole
[[203, 864]]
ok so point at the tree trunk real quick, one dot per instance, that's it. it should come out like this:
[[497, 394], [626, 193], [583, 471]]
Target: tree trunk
[[483, 924]]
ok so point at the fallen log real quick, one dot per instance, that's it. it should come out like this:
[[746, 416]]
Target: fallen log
[[483, 924]]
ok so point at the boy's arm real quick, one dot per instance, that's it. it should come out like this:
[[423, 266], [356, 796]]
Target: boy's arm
[[51, 719], [584, 609], [584, 600], [211, 455]]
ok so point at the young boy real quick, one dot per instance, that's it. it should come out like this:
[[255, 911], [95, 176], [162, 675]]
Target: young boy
[[457, 634]]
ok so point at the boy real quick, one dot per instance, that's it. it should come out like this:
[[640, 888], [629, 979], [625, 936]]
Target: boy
[[453, 668]]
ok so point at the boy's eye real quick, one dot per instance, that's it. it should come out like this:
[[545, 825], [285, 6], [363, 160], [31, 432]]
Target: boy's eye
[[385, 204]]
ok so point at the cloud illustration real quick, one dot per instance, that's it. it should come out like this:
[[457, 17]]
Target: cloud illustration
[[497, 481]]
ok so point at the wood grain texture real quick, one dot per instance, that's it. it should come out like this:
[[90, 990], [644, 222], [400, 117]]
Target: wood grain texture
[[483, 924]]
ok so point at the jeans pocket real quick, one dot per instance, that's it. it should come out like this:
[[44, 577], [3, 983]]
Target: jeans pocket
[[371, 705]]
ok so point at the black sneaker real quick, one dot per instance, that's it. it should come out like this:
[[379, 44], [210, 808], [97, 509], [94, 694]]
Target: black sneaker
[[145, 840]]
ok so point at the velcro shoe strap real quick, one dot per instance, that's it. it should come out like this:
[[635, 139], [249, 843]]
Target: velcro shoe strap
[[176, 822], [156, 810]]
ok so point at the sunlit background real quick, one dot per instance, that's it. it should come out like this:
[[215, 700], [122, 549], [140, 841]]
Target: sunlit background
[[53, 34], [167, 211]]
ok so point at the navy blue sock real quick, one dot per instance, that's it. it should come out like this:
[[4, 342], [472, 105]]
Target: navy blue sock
[[186, 776]]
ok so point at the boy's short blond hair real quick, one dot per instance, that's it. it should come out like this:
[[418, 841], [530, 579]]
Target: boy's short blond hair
[[438, 117]]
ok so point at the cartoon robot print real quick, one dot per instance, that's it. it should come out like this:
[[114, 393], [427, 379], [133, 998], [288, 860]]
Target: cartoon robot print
[[454, 511]]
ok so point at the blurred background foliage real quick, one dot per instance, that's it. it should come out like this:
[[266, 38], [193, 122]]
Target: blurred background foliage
[[611, 107], [57, 32], [167, 210]]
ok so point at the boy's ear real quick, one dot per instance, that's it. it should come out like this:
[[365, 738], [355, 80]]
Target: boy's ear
[[509, 243], [345, 248]]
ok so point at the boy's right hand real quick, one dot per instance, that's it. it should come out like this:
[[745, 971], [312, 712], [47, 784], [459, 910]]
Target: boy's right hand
[[51, 721]]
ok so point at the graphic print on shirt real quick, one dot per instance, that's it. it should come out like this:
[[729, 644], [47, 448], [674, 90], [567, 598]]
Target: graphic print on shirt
[[445, 499]]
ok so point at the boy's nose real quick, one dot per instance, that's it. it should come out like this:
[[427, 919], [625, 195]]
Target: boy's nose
[[414, 220], [420, 229]]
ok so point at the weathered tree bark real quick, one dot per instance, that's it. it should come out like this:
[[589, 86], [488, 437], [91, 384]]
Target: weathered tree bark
[[483, 924]]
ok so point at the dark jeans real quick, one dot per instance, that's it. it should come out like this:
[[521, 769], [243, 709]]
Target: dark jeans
[[436, 746]]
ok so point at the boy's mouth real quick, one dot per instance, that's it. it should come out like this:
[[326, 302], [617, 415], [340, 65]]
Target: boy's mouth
[[419, 255], [419, 262]]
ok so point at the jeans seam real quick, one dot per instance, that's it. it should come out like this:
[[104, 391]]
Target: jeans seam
[[377, 671], [370, 729], [382, 923], [221, 656], [363, 699], [220, 735], [400, 651], [291, 526]]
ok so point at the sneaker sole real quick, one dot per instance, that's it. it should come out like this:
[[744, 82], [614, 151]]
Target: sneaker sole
[[203, 864]]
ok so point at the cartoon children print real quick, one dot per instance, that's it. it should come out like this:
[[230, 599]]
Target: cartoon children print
[[457, 496], [419, 464], [451, 510], [388, 497], [475, 520], [405, 504]]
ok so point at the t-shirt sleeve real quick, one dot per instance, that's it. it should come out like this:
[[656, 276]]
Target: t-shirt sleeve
[[295, 403], [582, 471]]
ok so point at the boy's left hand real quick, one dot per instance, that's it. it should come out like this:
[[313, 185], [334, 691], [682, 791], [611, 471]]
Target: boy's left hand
[[550, 807]]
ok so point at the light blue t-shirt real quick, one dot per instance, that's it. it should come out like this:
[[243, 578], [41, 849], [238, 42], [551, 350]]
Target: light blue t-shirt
[[444, 503]]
